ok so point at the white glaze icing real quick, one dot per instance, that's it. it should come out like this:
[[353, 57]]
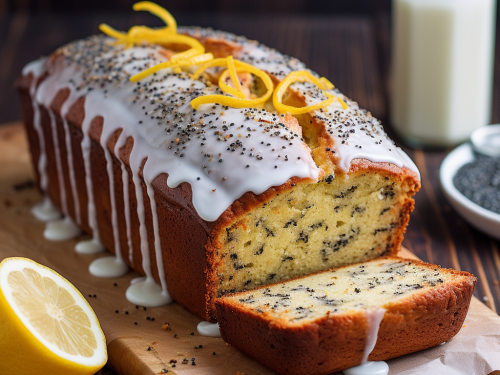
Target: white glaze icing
[[145, 292], [61, 230], [91, 209], [69, 150], [135, 163], [46, 210], [110, 266], [369, 368], [374, 317], [136, 280], [208, 329], [106, 133], [126, 198], [89, 247], [45, 93], [126, 202], [57, 152], [36, 68], [154, 170]]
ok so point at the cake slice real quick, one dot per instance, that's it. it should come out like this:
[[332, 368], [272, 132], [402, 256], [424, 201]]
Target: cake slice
[[328, 321]]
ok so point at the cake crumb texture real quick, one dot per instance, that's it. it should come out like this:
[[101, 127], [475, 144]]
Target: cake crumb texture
[[319, 324]]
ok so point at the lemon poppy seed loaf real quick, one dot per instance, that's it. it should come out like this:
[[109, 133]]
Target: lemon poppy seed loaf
[[217, 199], [336, 319]]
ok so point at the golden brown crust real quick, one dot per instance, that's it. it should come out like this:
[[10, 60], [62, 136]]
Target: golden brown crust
[[335, 342]]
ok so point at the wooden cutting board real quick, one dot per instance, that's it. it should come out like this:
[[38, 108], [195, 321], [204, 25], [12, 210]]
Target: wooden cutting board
[[143, 348]]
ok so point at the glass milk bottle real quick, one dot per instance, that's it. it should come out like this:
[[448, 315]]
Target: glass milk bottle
[[442, 69]]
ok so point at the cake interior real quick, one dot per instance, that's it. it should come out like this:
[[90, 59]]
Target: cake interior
[[364, 286], [313, 227]]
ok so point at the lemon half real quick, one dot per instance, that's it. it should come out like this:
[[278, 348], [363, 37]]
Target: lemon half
[[46, 325]]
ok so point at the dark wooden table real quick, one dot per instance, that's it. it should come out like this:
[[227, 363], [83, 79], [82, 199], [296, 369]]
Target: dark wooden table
[[352, 51]]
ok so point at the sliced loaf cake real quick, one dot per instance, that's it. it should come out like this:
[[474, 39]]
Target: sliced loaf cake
[[215, 200], [329, 321]]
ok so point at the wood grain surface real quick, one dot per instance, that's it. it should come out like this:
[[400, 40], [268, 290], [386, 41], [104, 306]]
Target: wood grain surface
[[352, 51]]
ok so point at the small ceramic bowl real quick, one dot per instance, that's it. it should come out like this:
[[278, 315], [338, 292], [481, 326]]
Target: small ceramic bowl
[[479, 217]]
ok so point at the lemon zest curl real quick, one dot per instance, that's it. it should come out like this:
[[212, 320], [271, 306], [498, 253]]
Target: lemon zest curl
[[303, 76], [177, 63], [237, 102]]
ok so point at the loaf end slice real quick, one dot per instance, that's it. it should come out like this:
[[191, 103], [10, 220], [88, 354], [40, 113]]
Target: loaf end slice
[[320, 323]]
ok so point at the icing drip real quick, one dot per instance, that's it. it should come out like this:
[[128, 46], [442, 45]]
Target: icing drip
[[46, 210], [92, 215], [369, 368], [118, 263], [69, 151], [44, 95], [374, 317], [208, 329], [125, 178], [137, 280], [149, 171], [146, 264], [36, 69], [61, 230], [126, 203], [144, 291], [89, 247], [110, 266], [57, 151]]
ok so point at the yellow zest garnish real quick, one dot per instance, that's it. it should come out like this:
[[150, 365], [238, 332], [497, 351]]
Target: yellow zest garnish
[[342, 103], [146, 33], [238, 102], [299, 76], [231, 70], [172, 63], [331, 86], [228, 89], [162, 36], [108, 30], [327, 83], [159, 12], [196, 47], [193, 51], [221, 61], [196, 55]]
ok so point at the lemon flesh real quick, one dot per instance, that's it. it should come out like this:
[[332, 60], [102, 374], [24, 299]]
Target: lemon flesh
[[46, 325]]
